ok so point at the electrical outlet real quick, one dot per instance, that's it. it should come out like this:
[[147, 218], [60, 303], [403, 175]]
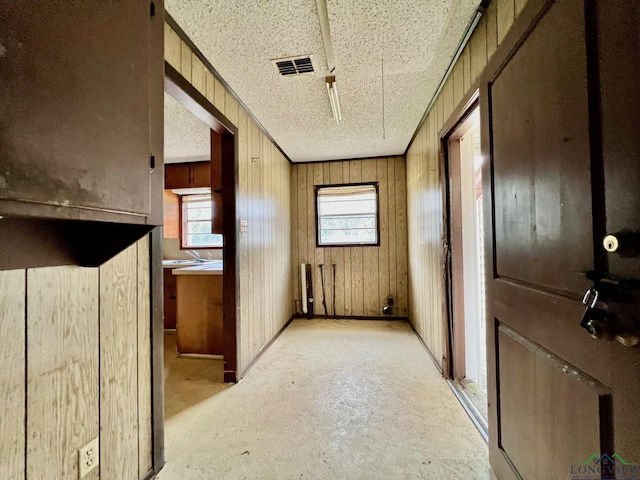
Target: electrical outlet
[[88, 457]]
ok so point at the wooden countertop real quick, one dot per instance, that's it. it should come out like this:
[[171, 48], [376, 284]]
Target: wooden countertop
[[207, 268]]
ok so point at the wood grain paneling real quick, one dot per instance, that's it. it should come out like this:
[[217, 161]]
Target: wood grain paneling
[[264, 201], [12, 374], [145, 446], [424, 178], [365, 276], [119, 366], [62, 378], [199, 321]]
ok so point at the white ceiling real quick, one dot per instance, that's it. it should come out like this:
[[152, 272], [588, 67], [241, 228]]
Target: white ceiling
[[415, 38], [186, 137]]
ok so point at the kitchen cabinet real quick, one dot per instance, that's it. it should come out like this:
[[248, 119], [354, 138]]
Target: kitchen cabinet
[[171, 225], [81, 96], [75, 114], [170, 294], [199, 326], [187, 175]]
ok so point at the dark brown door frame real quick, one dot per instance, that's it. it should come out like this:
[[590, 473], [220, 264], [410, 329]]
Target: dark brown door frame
[[180, 89], [453, 366], [455, 320], [455, 120]]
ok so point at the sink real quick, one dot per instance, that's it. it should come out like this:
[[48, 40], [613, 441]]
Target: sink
[[182, 263]]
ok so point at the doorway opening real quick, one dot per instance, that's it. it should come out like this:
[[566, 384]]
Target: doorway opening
[[467, 318], [199, 248]]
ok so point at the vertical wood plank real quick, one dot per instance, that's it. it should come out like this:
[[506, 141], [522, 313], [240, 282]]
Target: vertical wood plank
[[145, 445], [337, 254], [458, 81], [172, 47], [231, 108], [185, 61], [119, 440], [383, 255], [198, 74], [348, 278], [318, 179], [243, 237], [492, 28], [310, 232], [506, 14], [448, 96], [219, 95], [357, 285], [295, 251], [260, 237], [62, 380], [478, 49], [466, 67], [371, 292], [401, 234], [210, 87], [393, 247], [13, 373]]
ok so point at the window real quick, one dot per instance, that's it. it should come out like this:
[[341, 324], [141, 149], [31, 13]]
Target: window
[[197, 222], [347, 215]]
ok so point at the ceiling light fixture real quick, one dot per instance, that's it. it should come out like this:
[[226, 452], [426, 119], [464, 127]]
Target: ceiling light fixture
[[332, 90]]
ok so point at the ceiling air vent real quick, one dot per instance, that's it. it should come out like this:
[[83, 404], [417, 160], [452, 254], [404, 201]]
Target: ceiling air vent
[[293, 66]]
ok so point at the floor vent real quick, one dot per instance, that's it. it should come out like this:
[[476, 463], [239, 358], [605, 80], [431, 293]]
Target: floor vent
[[293, 66]]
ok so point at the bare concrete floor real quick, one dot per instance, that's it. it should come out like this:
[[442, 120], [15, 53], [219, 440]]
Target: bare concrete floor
[[330, 400]]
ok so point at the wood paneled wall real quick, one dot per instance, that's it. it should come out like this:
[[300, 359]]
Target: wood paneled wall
[[365, 276], [264, 199], [75, 346], [425, 178]]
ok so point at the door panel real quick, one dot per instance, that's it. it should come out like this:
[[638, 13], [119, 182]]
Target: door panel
[[554, 111], [541, 157], [538, 392]]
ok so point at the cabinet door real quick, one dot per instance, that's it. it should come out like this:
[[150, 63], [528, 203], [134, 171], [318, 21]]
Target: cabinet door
[[200, 175], [176, 175], [74, 106]]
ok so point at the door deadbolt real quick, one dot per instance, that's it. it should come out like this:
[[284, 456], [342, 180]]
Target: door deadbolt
[[611, 243]]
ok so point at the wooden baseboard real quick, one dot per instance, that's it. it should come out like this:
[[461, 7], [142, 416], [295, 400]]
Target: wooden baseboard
[[150, 475], [265, 348], [302, 316], [436, 362]]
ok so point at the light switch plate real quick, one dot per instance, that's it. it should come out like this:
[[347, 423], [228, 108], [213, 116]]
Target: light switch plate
[[88, 457]]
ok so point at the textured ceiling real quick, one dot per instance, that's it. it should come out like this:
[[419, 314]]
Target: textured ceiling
[[415, 38], [186, 138]]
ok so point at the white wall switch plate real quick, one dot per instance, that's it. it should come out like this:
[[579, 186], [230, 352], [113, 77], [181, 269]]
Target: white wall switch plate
[[88, 457]]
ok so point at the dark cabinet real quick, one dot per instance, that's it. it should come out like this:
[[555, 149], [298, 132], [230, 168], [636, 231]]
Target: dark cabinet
[[187, 175], [170, 292], [80, 118], [216, 161]]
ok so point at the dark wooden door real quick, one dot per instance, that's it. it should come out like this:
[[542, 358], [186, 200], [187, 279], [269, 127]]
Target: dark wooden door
[[561, 130], [75, 106]]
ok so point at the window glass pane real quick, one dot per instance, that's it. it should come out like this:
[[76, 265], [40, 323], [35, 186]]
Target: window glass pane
[[196, 230], [347, 214]]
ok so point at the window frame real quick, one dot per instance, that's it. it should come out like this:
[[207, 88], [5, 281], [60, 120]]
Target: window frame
[[183, 225], [376, 186]]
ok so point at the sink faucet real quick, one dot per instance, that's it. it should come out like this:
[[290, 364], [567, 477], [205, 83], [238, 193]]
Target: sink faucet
[[195, 255]]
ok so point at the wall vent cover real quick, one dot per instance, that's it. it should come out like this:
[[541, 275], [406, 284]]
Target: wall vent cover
[[294, 66]]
